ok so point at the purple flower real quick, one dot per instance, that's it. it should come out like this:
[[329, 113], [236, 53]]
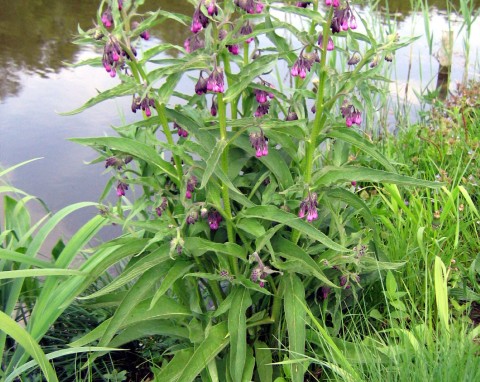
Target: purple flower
[[303, 4], [120, 5], [215, 82], [303, 64], [330, 45], [181, 132], [250, 6], [201, 85], [343, 19], [246, 30], [212, 8], [112, 57], [162, 207], [214, 108], [308, 207], [145, 34], [291, 116], [334, 3], [114, 162], [144, 104], [343, 280], [325, 292], [191, 184], [261, 271], [199, 20], [389, 57], [193, 43], [214, 219], [107, 18], [260, 143], [121, 188], [234, 49], [354, 183], [351, 114], [192, 217], [262, 109], [355, 59]]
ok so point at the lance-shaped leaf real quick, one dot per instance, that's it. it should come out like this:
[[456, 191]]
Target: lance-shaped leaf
[[198, 246], [263, 359], [135, 148], [212, 161], [330, 175], [237, 327], [275, 214], [295, 317]]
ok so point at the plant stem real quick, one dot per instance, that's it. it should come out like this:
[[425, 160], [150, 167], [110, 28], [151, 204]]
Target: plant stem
[[222, 115]]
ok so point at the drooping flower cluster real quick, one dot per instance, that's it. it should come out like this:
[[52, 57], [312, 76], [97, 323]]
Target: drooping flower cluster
[[145, 104], [355, 59], [201, 85], [180, 131], [330, 45], [116, 162], [351, 114], [121, 188], [333, 3], [162, 207], [215, 82], [246, 30], [308, 207], [193, 43], [261, 271], [260, 143], [250, 6], [303, 4], [214, 219], [112, 57], [303, 64], [291, 116], [214, 108], [343, 19], [262, 97], [191, 184], [192, 217], [234, 49], [107, 18]]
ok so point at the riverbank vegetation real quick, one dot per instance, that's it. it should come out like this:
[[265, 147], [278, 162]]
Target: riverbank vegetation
[[274, 228]]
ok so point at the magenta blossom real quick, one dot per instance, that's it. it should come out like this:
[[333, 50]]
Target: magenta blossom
[[308, 207], [121, 188], [260, 143], [215, 82]]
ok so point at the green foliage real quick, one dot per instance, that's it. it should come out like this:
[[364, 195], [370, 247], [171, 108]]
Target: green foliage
[[218, 253]]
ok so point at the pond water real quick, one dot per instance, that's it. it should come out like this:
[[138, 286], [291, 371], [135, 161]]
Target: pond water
[[36, 84]]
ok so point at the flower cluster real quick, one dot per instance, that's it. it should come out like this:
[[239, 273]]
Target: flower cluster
[[343, 19], [291, 116], [191, 184], [192, 217], [261, 271], [334, 3], [162, 207], [181, 131], [214, 219], [215, 82], [250, 6], [355, 59], [116, 162], [308, 207], [262, 99], [303, 4], [145, 104], [303, 64], [112, 57], [193, 43], [260, 143], [351, 114], [121, 188], [330, 45], [246, 30], [107, 18]]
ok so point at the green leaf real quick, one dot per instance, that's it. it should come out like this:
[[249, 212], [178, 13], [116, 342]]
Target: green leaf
[[330, 175], [166, 90], [441, 292], [352, 137], [263, 359], [248, 73], [23, 338], [9, 255], [124, 88], [212, 161], [275, 214], [295, 317], [39, 273], [251, 226], [237, 328], [198, 246], [213, 344], [135, 148], [289, 250], [179, 269]]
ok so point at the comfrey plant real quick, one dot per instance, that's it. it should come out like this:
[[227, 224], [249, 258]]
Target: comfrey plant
[[249, 216]]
